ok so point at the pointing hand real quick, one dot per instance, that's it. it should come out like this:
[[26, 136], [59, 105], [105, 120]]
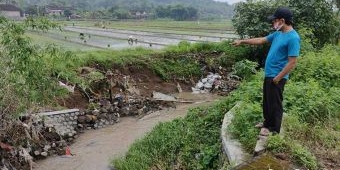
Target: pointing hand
[[236, 43]]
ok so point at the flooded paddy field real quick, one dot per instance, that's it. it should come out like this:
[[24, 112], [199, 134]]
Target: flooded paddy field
[[84, 36]]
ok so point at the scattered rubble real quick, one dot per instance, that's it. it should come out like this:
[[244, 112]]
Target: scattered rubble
[[215, 82]]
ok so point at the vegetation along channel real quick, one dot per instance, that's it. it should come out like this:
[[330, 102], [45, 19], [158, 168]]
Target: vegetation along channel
[[146, 85]]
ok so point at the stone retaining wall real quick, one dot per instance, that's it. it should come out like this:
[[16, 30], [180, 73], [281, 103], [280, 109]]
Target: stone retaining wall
[[64, 121]]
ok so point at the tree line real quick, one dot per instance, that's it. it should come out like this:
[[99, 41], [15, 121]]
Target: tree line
[[122, 9], [177, 12]]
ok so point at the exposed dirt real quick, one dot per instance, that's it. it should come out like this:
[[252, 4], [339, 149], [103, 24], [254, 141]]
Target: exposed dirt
[[76, 100], [147, 82], [329, 159], [142, 79]]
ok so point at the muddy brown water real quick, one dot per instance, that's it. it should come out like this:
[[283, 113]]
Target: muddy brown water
[[95, 148]]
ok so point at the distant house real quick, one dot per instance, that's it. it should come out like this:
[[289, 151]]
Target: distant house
[[54, 10], [10, 11], [139, 14], [59, 11]]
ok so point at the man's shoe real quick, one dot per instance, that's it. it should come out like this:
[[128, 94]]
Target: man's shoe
[[264, 132]]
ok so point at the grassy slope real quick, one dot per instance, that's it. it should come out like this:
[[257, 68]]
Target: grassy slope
[[312, 124]]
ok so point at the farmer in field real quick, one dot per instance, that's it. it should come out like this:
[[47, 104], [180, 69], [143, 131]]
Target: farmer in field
[[130, 40], [281, 60]]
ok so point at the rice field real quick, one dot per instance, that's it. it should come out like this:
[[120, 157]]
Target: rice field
[[156, 34]]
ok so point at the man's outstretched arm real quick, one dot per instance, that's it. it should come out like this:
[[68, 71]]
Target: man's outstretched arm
[[252, 41]]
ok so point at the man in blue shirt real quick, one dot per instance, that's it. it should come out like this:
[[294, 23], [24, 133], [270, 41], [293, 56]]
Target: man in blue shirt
[[281, 59]]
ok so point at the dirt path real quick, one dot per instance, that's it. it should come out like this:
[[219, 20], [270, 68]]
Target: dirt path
[[94, 149]]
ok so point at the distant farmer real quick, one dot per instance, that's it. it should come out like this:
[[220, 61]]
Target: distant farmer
[[281, 60], [81, 36], [130, 40]]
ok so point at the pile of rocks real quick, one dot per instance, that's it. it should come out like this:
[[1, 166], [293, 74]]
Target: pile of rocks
[[215, 82], [29, 139], [104, 113]]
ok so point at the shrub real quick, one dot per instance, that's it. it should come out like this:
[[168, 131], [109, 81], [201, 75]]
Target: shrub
[[323, 66], [244, 68], [310, 102], [26, 70]]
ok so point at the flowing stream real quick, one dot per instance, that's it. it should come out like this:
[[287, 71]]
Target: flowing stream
[[95, 148]]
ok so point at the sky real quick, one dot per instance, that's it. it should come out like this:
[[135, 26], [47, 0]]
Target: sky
[[230, 1]]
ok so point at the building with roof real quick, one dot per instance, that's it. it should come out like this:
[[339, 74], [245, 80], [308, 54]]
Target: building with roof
[[10, 11], [55, 10]]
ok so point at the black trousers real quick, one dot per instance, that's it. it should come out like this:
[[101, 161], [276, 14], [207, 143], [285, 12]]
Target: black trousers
[[272, 104]]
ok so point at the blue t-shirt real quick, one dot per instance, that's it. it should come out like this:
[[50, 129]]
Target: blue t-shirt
[[283, 45]]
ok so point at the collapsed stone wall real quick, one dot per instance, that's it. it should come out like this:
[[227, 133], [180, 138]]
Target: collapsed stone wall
[[64, 121]]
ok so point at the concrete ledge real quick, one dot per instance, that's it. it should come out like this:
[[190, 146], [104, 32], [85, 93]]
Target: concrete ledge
[[58, 112], [232, 147], [238, 159]]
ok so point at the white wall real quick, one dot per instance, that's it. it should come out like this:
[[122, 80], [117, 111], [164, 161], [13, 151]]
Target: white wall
[[10, 14]]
